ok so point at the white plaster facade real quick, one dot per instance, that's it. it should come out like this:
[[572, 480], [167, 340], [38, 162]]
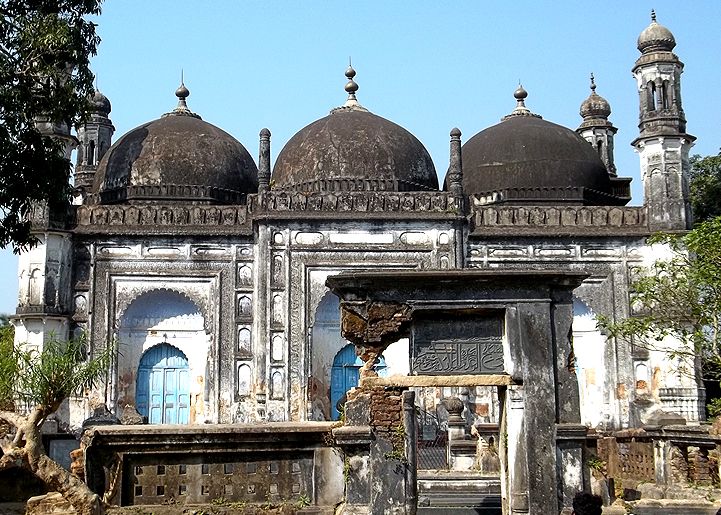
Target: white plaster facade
[[239, 287]]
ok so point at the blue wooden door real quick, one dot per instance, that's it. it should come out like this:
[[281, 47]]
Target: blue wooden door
[[344, 375], [163, 390]]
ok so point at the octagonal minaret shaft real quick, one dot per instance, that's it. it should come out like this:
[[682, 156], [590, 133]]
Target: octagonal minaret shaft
[[663, 144]]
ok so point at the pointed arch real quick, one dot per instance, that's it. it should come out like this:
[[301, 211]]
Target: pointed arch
[[125, 301]]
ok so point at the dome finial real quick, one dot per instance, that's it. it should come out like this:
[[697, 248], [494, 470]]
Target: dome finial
[[593, 83], [182, 93], [653, 16], [351, 87], [521, 110]]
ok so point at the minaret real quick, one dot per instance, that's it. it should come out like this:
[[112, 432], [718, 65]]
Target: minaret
[[596, 129], [94, 140], [663, 144], [44, 288]]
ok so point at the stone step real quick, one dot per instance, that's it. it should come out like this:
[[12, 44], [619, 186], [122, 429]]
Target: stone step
[[458, 492], [457, 510]]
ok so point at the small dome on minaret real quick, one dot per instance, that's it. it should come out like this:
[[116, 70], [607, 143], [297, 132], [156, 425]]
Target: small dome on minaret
[[595, 106], [100, 103], [655, 38]]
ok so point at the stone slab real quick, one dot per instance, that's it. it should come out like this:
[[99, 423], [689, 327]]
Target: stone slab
[[454, 380]]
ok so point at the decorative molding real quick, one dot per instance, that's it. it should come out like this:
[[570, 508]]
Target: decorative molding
[[516, 221]]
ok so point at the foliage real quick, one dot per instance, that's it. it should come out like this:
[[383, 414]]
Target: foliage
[[714, 407], [49, 377], [38, 382], [705, 186], [679, 297], [596, 463], [8, 367], [45, 47]]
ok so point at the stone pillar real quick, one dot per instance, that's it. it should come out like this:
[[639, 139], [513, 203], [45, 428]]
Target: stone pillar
[[455, 167], [487, 458], [378, 440], [570, 448], [460, 452], [264, 161]]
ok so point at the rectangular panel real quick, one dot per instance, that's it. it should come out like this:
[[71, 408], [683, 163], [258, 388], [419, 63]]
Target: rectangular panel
[[170, 402], [141, 392], [183, 396], [195, 477], [467, 344], [478, 356]]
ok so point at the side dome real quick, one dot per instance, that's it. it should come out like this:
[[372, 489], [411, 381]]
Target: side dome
[[527, 160], [178, 157], [353, 149]]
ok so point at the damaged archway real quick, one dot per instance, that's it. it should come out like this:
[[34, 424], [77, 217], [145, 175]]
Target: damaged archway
[[528, 314], [335, 366]]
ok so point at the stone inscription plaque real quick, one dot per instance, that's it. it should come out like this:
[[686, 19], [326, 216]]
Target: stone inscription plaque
[[471, 343], [477, 356]]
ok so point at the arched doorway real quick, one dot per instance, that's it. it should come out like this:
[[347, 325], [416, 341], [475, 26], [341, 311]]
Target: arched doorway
[[344, 375], [162, 394], [154, 320]]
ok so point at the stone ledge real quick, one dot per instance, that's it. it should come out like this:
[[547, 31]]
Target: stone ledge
[[454, 380], [353, 435]]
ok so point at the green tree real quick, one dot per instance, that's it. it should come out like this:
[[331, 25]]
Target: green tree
[[7, 366], [680, 297], [705, 186], [45, 47], [33, 385]]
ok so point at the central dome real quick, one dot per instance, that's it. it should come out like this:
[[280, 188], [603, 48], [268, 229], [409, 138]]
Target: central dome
[[176, 157], [353, 149]]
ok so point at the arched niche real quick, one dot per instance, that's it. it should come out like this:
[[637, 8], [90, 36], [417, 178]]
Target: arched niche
[[156, 318]]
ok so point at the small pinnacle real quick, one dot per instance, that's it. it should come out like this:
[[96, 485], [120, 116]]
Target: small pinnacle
[[182, 93], [182, 108], [455, 132], [351, 86], [653, 15], [521, 110]]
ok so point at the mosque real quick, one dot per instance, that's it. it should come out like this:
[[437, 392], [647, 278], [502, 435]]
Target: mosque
[[208, 270]]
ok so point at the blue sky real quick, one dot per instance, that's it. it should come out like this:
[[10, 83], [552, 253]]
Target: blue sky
[[426, 65]]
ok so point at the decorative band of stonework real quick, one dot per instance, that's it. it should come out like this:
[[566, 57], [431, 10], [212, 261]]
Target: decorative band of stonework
[[166, 192], [344, 184]]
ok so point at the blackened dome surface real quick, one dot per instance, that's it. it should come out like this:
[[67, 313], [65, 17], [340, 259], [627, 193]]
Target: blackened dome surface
[[176, 157], [526, 153], [352, 149]]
